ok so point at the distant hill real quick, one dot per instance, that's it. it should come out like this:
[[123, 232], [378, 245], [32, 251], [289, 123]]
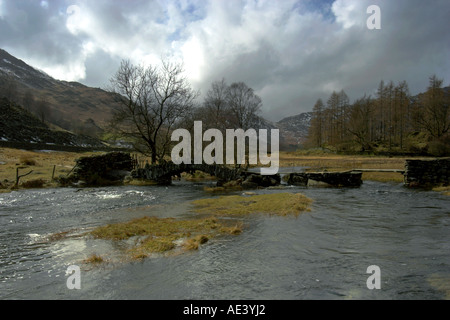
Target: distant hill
[[70, 105], [294, 130], [21, 129]]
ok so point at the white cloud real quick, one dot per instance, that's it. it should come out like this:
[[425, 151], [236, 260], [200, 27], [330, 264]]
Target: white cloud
[[292, 52], [44, 4], [351, 13], [193, 56], [69, 72]]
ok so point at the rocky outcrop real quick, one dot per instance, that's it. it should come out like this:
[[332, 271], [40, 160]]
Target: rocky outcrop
[[427, 173], [253, 181]]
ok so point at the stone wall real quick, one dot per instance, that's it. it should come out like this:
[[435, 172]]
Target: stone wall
[[427, 173], [101, 169]]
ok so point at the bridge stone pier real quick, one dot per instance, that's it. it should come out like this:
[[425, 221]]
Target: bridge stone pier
[[163, 173]]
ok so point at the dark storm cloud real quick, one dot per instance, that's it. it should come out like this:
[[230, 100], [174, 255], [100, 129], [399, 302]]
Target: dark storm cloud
[[32, 31], [291, 52]]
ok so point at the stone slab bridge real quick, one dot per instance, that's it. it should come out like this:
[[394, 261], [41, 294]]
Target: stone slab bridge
[[115, 166], [163, 173]]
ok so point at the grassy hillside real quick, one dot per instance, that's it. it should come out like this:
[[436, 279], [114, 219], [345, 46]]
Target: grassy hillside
[[19, 128]]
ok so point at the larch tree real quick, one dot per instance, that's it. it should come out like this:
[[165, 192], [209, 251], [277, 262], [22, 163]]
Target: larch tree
[[433, 112]]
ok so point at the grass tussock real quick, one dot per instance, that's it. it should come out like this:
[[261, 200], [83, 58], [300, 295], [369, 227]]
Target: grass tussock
[[58, 236], [94, 259], [159, 235], [444, 190], [141, 182], [234, 230], [214, 189], [27, 160], [282, 204], [197, 176], [195, 242]]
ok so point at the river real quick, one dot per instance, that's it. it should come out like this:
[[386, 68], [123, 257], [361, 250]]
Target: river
[[321, 254]]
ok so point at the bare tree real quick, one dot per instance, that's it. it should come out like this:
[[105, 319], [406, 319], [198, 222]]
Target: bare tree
[[154, 99], [216, 105], [244, 104]]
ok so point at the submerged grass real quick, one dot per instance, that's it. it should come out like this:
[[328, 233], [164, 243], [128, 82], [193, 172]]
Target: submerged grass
[[276, 203], [159, 235], [444, 190]]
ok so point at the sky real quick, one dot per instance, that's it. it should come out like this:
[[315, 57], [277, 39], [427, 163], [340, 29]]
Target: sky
[[291, 52]]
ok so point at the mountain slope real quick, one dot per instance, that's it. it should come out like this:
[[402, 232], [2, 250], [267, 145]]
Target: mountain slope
[[294, 130], [70, 105], [21, 129], [81, 109]]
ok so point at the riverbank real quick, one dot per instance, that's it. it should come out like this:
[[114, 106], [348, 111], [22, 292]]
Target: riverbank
[[43, 165], [46, 164], [334, 163]]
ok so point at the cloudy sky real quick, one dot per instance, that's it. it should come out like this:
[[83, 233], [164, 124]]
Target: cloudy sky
[[292, 52]]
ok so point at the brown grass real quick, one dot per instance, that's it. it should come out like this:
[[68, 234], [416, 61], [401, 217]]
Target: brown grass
[[282, 204], [443, 190], [197, 176], [195, 242], [94, 259], [40, 162], [37, 183], [160, 235], [27, 160]]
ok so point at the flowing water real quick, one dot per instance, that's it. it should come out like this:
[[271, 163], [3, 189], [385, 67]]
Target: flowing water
[[321, 254]]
